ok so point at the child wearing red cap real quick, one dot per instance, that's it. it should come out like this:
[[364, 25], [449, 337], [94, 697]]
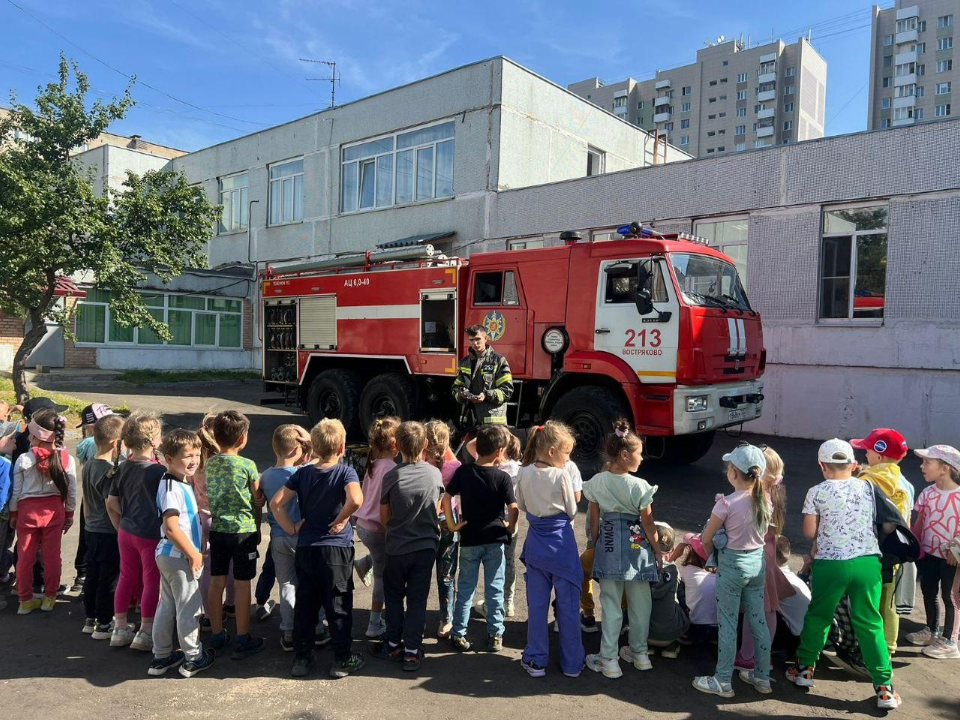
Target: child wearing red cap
[[885, 449]]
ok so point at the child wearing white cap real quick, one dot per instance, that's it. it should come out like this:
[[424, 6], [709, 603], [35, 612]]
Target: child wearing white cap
[[745, 516], [838, 514], [937, 526]]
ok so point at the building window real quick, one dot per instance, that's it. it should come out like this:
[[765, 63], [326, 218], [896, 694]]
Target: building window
[[712, 83], [790, 72], [741, 94], [945, 43], [596, 159], [526, 244], [286, 192], [640, 105], [904, 113], [742, 78], [945, 21], [907, 24], [922, 26], [887, 81], [943, 88], [788, 107], [740, 130], [918, 114], [944, 66], [922, 69], [713, 100], [741, 112], [685, 123], [711, 133], [401, 168], [903, 91], [888, 60], [887, 40], [729, 236], [684, 140], [853, 263], [722, 98], [885, 123], [193, 320], [788, 126], [789, 90], [918, 92], [686, 90], [233, 197], [722, 115], [668, 127], [740, 147], [942, 110], [725, 63], [685, 107], [905, 69], [723, 81], [711, 117], [620, 102], [921, 48], [721, 148], [885, 103], [710, 151]]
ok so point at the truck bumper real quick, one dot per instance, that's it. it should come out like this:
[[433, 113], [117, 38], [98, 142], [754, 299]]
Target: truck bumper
[[726, 405]]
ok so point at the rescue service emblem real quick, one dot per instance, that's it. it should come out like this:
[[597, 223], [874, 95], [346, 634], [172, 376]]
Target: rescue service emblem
[[495, 324]]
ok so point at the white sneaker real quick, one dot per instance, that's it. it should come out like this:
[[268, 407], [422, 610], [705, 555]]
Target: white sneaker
[[942, 650], [920, 637], [761, 686], [610, 667], [122, 635], [143, 641], [375, 630], [641, 661], [508, 609]]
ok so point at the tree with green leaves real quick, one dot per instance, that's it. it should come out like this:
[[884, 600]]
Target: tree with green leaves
[[53, 222]]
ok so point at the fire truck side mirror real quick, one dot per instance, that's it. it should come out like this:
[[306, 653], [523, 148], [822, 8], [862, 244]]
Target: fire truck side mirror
[[644, 296]]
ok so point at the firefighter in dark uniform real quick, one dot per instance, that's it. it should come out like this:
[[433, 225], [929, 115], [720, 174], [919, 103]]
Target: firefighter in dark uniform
[[483, 384]]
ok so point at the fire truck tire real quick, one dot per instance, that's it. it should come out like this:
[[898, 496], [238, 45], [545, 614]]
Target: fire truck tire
[[336, 394], [590, 411], [388, 394], [686, 449]]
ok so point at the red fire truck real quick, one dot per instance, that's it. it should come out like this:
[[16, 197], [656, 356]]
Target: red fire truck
[[653, 327]]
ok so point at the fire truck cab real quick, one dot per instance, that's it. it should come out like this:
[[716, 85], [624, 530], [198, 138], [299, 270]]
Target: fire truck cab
[[657, 329]]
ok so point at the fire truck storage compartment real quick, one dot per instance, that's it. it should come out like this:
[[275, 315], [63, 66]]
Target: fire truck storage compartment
[[318, 323], [280, 341], [438, 321]]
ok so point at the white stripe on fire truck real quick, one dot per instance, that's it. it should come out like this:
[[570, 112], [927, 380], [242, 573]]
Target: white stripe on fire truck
[[734, 340], [742, 334], [378, 312]]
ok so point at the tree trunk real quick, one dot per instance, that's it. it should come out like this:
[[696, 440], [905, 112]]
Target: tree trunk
[[38, 329]]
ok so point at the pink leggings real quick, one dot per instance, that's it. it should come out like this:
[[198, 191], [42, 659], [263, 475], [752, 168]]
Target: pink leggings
[[39, 527], [137, 561]]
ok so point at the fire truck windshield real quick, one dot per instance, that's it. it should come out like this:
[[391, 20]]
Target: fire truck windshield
[[705, 280]]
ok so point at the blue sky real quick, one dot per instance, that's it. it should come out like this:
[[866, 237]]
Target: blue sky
[[239, 60]]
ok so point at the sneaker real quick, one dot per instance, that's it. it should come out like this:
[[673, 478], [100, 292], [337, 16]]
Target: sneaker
[[761, 686], [444, 632], [89, 625], [220, 641], [481, 608], [28, 606], [142, 641], [102, 631], [77, 586], [508, 609], [641, 661], [342, 668], [205, 625], [588, 623], [532, 668], [412, 661], [286, 642], [624, 628], [887, 697], [830, 649], [922, 637], [159, 666], [192, 667], [711, 686], [671, 651], [375, 630], [801, 675], [742, 663], [494, 643], [610, 667], [264, 611], [301, 666], [48, 604], [942, 650], [459, 643], [364, 569], [384, 651], [246, 647], [322, 637], [229, 611], [571, 675], [122, 635]]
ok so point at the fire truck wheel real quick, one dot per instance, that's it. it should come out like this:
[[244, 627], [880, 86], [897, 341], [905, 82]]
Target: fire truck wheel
[[590, 411], [388, 394], [336, 394], [686, 449]]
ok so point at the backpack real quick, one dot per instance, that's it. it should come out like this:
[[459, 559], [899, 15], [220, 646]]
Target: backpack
[[898, 546]]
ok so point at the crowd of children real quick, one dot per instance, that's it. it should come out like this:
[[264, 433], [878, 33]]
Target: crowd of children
[[173, 522]]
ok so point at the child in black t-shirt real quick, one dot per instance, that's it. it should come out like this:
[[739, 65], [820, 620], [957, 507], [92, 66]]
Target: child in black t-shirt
[[484, 492]]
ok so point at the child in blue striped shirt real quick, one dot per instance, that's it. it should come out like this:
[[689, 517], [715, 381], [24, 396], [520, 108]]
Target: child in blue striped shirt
[[179, 561]]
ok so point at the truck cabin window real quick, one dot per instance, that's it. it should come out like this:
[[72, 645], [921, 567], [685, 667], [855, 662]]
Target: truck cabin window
[[495, 288], [621, 283], [708, 281]]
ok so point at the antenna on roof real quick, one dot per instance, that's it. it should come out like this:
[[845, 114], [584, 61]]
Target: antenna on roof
[[334, 78]]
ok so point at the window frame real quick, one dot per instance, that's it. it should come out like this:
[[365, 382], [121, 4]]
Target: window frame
[[394, 153], [280, 181], [721, 246], [501, 302], [242, 226], [852, 279], [600, 164]]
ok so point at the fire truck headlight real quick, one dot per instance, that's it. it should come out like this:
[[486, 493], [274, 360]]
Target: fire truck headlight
[[697, 403]]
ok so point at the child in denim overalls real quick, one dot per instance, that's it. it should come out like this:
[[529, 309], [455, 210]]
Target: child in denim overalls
[[745, 516], [627, 551]]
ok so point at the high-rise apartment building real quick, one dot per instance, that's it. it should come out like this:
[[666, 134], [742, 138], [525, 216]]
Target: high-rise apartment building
[[732, 98], [911, 63]]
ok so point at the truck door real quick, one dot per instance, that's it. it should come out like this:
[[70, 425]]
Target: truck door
[[496, 303], [648, 343]]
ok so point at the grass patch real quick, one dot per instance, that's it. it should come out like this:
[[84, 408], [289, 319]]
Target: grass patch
[[74, 405], [145, 377]]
